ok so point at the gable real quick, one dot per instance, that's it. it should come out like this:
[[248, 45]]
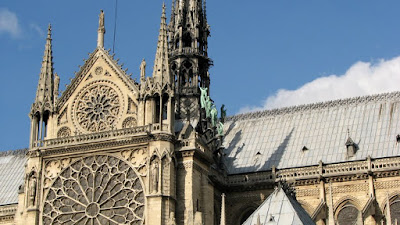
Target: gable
[[101, 97]]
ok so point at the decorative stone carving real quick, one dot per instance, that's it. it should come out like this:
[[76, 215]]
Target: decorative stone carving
[[53, 168], [98, 70], [155, 175], [32, 186], [138, 159], [348, 215], [64, 132], [172, 219], [143, 70], [97, 108], [129, 122], [95, 190]]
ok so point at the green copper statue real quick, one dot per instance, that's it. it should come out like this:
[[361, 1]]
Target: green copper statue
[[220, 128], [223, 113], [208, 106], [203, 97], [214, 115]]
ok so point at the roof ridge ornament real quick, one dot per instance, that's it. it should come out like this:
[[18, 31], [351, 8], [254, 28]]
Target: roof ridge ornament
[[101, 31], [316, 106]]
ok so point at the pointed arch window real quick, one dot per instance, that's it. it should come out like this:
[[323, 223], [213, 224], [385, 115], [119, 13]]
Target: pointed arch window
[[187, 40], [348, 214], [165, 107], [157, 110], [394, 209]]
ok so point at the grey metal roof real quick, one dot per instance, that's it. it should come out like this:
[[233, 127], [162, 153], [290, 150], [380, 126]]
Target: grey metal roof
[[303, 135], [280, 208], [12, 167]]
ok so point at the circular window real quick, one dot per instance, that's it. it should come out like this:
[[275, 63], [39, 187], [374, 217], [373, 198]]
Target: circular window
[[95, 190], [97, 108]]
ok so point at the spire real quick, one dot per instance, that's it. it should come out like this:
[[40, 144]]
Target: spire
[[45, 89], [101, 31], [161, 69], [223, 219]]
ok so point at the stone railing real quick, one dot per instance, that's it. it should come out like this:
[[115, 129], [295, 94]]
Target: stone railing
[[106, 135], [294, 173], [345, 168], [385, 164], [312, 172], [251, 178], [8, 210], [188, 50]]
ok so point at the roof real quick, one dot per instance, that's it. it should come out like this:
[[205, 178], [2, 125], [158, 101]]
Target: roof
[[281, 209], [303, 135], [12, 167]]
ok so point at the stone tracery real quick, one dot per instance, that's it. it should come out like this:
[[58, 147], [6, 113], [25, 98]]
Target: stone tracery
[[97, 108], [95, 190]]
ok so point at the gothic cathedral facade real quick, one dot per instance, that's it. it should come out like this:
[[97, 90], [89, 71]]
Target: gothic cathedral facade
[[111, 150]]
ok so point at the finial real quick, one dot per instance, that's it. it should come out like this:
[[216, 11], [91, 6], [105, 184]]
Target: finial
[[163, 11], [49, 31], [101, 19], [101, 31]]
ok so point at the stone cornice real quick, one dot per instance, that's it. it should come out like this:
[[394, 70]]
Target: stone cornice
[[340, 172], [99, 141], [149, 130], [7, 213]]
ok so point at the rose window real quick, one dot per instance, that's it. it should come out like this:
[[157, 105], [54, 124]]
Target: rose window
[[97, 108], [95, 190]]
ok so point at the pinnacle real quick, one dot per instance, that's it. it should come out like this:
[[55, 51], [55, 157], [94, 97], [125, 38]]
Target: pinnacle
[[49, 31], [160, 70]]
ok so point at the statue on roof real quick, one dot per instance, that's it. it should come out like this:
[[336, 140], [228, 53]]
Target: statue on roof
[[208, 106], [223, 113], [143, 70], [203, 97], [56, 84], [214, 115], [220, 128], [101, 19]]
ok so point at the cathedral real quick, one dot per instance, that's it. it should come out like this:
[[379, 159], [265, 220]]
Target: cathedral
[[111, 150]]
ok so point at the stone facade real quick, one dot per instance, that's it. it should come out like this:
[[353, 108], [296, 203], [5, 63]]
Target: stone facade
[[110, 150]]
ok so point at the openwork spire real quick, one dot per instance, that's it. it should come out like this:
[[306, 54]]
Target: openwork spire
[[161, 71], [45, 89]]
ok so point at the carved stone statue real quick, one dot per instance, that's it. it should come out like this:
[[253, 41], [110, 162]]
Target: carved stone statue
[[203, 97], [154, 177], [56, 84], [143, 70], [101, 19], [214, 115], [223, 113], [32, 189]]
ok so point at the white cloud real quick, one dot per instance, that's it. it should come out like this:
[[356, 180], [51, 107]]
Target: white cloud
[[362, 78], [9, 23], [36, 28]]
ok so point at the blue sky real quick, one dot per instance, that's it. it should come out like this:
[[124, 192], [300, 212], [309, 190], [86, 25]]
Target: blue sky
[[266, 53]]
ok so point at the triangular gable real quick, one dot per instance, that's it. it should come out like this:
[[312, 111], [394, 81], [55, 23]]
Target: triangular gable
[[101, 97], [83, 74], [280, 208]]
